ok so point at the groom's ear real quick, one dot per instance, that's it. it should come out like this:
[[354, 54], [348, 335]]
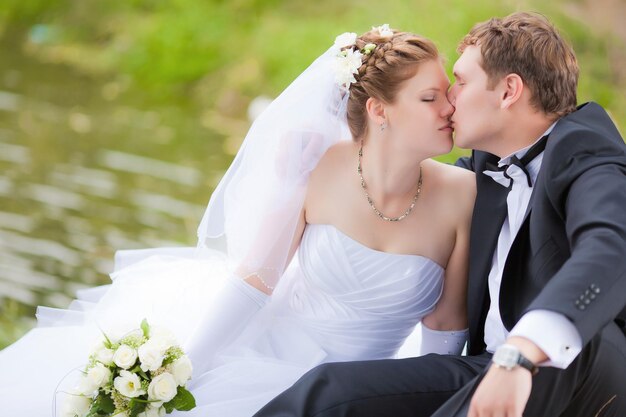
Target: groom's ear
[[376, 110], [512, 87]]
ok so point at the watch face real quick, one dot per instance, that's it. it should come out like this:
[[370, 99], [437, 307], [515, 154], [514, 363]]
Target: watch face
[[506, 356]]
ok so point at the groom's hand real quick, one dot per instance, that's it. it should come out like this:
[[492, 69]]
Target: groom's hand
[[502, 392]]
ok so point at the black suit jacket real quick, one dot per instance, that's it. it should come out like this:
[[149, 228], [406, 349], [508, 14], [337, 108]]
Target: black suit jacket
[[570, 253]]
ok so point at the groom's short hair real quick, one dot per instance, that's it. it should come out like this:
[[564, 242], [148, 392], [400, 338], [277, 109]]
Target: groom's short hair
[[528, 45]]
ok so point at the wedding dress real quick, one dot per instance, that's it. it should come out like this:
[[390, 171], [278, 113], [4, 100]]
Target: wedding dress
[[336, 300]]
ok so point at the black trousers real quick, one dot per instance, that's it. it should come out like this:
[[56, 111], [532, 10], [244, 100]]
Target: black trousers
[[593, 385]]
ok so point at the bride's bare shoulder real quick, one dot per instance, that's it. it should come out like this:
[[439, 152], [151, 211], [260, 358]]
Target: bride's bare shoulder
[[450, 175], [335, 160], [457, 185], [329, 182]]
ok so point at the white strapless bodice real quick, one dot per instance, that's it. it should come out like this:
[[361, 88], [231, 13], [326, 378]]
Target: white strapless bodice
[[357, 301]]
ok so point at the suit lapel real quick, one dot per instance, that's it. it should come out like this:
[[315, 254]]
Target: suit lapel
[[489, 214], [511, 267], [537, 184]]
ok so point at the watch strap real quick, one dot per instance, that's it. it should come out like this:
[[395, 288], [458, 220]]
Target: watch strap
[[524, 362], [509, 356]]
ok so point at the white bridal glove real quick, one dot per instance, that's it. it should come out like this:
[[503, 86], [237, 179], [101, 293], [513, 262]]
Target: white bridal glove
[[443, 342], [231, 310]]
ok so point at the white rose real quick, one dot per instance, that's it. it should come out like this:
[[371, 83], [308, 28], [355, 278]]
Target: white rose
[[345, 39], [181, 369], [76, 405], [162, 388], [125, 356], [151, 356], [85, 386], [104, 355], [153, 412], [161, 337], [97, 376], [128, 384], [122, 414]]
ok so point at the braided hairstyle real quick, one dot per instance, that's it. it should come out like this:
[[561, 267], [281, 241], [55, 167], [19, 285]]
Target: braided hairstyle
[[395, 59]]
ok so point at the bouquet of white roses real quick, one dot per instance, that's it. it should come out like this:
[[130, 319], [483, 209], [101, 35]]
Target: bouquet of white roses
[[143, 374]]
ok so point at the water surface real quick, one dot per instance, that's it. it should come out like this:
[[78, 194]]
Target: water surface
[[89, 166]]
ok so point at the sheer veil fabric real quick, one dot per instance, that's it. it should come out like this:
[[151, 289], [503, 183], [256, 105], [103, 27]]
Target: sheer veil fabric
[[257, 203]]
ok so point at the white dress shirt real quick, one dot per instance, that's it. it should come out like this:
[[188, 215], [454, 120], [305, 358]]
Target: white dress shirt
[[551, 331]]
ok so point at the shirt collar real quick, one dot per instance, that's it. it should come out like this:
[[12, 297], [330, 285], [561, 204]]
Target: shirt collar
[[535, 164], [521, 152]]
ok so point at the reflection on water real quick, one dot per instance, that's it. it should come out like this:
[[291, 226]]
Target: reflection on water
[[84, 172]]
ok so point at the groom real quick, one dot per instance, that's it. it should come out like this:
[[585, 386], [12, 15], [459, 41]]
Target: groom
[[547, 282]]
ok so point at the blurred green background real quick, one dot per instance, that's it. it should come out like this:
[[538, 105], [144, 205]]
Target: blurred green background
[[118, 118]]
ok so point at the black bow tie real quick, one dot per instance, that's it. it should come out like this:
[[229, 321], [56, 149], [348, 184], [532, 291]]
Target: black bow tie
[[531, 154]]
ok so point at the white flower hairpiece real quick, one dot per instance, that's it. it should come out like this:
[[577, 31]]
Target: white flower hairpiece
[[383, 30], [346, 64], [345, 39], [347, 61]]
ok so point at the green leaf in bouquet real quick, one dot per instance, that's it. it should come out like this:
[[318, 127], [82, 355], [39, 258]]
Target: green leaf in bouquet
[[143, 374], [137, 370], [183, 401], [169, 407], [145, 327], [136, 406], [106, 403], [107, 342], [93, 411], [101, 405]]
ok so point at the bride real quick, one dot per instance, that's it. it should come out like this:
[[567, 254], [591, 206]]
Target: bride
[[335, 248]]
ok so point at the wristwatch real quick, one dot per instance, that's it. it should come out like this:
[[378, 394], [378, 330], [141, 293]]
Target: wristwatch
[[509, 356]]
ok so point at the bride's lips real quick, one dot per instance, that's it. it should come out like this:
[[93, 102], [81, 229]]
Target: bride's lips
[[447, 128]]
